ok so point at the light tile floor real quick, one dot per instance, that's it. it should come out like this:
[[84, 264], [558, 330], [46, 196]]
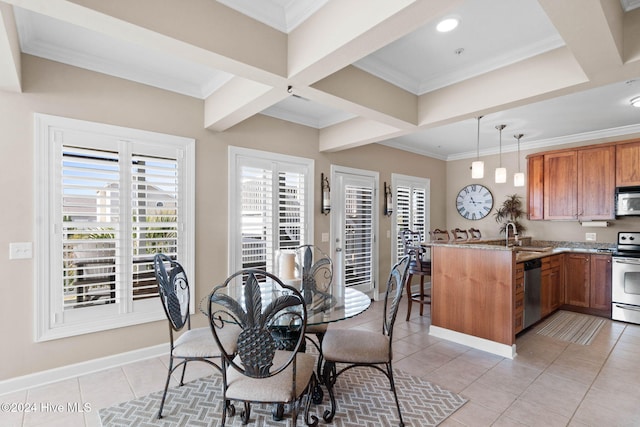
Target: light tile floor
[[550, 382]]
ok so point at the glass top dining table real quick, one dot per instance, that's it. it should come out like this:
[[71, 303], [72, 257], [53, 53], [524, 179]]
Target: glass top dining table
[[353, 303]]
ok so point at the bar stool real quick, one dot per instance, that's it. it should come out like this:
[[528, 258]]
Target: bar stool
[[439, 235], [418, 266], [475, 234], [460, 235]]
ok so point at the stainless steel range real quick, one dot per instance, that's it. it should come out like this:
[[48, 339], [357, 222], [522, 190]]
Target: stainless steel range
[[625, 278]]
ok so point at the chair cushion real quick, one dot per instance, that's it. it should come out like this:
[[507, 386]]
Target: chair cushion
[[273, 389], [317, 329], [199, 342], [355, 346]]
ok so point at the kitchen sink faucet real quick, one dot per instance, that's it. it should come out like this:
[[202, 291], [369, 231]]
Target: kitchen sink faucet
[[506, 233]]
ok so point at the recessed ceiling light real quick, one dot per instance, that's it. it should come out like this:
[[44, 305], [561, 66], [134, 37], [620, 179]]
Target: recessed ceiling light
[[447, 24], [635, 102]]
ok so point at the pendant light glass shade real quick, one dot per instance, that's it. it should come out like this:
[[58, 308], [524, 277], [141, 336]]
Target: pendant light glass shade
[[501, 173], [518, 177], [477, 167]]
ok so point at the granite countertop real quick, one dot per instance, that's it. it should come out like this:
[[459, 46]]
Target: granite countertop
[[529, 248]]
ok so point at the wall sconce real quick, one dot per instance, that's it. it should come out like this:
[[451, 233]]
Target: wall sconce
[[325, 207], [388, 200]]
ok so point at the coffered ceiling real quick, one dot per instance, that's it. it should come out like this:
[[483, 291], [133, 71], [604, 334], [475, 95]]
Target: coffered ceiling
[[555, 71]]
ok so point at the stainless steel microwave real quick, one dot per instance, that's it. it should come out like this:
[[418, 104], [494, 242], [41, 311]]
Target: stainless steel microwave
[[627, 201]]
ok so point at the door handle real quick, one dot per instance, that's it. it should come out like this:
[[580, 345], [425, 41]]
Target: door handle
[[338, 249]]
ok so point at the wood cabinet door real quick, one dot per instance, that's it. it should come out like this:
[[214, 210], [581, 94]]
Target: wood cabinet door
[[560, 185], [596, 183], [535, 188], [628, 164], [546, 289], [557, 289], [600, 282], [577, 279]]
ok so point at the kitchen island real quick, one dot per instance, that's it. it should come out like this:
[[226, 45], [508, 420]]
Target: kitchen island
[[472, 294], [477, 288]]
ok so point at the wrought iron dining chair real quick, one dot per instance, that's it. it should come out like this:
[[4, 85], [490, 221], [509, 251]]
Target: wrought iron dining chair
[[352, 348], [316, 272], [193, 344], [266, 366], [419, 265]]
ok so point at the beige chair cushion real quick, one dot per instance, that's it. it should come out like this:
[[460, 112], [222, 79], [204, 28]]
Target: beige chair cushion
[[316, 329], [273, 389], [355, 346], [200, 342]]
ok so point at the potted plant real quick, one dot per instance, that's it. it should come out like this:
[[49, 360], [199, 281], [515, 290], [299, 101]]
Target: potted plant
[[510, 211]]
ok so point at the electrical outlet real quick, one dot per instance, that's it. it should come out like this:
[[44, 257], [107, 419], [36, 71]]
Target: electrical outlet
[[590, 237], [21, 250], [325, 237]]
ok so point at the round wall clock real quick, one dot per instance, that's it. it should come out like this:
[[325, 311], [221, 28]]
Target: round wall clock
[[474, 201]]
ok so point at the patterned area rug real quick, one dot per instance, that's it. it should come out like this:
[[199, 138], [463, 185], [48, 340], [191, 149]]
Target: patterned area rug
[[572, 327], [363, 399]]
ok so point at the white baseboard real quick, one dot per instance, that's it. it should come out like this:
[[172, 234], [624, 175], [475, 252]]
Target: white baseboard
[[508, 351], [37, 379]]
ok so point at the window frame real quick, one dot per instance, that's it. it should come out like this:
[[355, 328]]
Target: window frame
[[52, 322], [239, 156]]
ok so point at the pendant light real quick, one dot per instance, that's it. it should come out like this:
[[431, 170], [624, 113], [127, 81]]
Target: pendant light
[[501, 173], [477, 167], [518, 177]]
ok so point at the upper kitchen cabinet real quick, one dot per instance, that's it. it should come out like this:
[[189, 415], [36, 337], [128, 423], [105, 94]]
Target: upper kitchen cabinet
[[596, 183], [560, 185], [536, 187], [628, 164], [575, 184]]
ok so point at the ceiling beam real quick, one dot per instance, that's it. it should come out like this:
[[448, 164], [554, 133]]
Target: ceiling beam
[[202, 35], [355, 133], [592, 30], [533, 79], [237, 100], [10, 65], [340, 34]]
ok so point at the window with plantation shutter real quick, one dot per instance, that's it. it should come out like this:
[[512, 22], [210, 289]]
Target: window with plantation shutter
[[109, 199], [271, 200], [412, 208]]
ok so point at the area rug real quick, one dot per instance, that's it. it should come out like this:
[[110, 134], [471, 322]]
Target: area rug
[[572, 327], [362, 395]]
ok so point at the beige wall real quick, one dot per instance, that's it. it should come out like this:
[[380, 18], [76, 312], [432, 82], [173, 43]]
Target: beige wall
[[459, 175], [61, 90], [66, 91]]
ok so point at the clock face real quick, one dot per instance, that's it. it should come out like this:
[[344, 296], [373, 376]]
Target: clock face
[[474, 201]]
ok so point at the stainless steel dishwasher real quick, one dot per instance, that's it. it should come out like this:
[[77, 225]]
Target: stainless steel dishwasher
[[532, 290]]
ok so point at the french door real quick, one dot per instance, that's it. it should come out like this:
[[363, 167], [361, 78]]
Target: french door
[[354, 219]]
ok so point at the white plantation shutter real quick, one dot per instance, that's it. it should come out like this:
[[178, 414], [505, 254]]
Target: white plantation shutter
[[291, 209], [412, 208], [108, 199], [358, 245], [271, 200], [256, 217], [91, 228], [155, 211]]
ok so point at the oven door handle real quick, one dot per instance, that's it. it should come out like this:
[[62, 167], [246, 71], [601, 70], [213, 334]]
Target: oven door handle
[[634, 261], [628, 307]]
